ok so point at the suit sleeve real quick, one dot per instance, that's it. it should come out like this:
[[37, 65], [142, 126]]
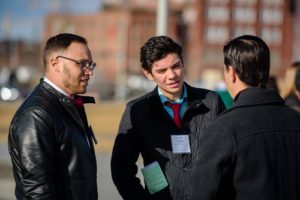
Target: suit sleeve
[[124, 157], [32, 152]]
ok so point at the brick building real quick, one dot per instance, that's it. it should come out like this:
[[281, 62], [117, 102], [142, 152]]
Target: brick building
[[117, 32], [115, 35], [216, 21]]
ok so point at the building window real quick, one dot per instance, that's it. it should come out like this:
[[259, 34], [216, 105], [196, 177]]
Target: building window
[[273, 2], [246, 2], [271, 16], [244, 15], [217, 14], [212, 56], [217, 34], [272, 36], [218, 1]]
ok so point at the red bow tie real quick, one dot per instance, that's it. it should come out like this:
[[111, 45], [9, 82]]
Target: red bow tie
[[78, 101]]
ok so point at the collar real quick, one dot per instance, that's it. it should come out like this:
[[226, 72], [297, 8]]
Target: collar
[[164, 99], [63, 96], [55, 87], [193, 99], [257, 96]]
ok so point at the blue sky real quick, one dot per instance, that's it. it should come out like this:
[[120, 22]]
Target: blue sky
[[23, 19]]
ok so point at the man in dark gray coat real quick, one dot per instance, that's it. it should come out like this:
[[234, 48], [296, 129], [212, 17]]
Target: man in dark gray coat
[[251, 151], [167, 140]]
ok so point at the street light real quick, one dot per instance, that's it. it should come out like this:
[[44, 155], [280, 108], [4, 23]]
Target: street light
[[162, 17]]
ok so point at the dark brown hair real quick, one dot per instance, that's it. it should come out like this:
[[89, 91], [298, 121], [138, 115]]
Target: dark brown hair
[[60, 42]]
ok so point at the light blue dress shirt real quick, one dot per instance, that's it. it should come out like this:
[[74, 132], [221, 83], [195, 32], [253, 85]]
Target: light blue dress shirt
[[181, 101]]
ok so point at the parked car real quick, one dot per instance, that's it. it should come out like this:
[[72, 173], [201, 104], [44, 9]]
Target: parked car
[[9, 93]]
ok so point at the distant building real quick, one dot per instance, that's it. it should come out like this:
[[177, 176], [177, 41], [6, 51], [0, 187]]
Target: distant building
[[216, 21], [20, 67], [14, 53], [117, 32], [115, 35]]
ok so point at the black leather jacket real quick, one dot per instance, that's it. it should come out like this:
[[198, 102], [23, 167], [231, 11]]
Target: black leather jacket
[[146, 129], [51, 148]]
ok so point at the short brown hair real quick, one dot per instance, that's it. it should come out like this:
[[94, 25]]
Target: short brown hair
[[60, 42]]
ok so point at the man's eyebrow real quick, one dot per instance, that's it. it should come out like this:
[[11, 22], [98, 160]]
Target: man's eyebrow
[[177, 63]]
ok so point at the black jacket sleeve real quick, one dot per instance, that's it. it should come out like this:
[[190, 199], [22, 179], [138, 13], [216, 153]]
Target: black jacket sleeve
[[123, 162], [32, 149]]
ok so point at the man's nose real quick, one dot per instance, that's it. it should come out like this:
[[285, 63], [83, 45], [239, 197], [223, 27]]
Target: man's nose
[[171, 73], [88, 71]]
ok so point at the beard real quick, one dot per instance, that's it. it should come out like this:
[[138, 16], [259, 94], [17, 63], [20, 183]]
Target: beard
[[73, 83]]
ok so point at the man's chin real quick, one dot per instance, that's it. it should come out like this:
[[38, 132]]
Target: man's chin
[[174, 91], [81, 91], [175, 88]]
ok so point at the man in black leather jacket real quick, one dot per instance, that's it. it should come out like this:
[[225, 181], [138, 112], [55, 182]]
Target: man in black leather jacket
[[168, 145], [50, 141]]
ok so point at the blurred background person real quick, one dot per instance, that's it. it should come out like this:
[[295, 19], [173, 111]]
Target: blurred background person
[[289, 81], [293, 99]]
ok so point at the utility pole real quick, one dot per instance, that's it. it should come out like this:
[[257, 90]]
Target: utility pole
[[162, 17]]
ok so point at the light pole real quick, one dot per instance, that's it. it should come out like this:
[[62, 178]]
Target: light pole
[[162, 17]]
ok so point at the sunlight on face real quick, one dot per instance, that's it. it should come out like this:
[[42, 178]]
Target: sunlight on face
[[75, 80], [168, 74]]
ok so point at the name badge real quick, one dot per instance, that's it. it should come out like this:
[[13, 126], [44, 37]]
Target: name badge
[[180, 144]]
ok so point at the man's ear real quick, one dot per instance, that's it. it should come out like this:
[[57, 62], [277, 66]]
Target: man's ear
[[148, 75], [232, 74], [54, 64]]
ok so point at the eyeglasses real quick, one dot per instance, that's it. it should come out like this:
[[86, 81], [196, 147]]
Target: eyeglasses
[[84, 64]]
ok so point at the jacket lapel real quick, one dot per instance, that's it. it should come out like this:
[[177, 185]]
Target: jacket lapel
[[63, 101], [73, 112], [156, 107]]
